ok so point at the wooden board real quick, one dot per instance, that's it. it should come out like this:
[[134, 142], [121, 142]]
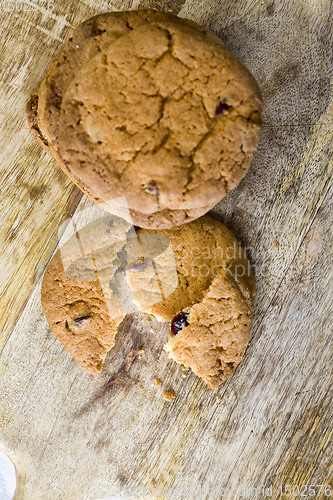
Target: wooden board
[[73, 436]]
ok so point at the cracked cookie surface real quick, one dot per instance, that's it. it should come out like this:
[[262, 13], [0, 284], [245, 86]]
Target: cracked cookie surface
[[217, 330], [87, 40], [165, 117], [80, 306], [211, 307]]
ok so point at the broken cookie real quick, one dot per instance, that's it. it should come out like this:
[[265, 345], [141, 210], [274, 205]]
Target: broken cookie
[[210, 309], [79, 304]]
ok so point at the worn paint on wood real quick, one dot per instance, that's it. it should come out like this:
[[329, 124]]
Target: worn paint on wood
[[73, 436]]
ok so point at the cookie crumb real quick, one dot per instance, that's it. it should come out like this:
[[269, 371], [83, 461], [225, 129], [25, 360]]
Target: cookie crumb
[[168, 395], [141, 389], [158, 383], [276, 245]]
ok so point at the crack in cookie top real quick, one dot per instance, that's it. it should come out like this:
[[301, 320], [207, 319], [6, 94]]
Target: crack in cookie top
[[164, 117], [88, 39]]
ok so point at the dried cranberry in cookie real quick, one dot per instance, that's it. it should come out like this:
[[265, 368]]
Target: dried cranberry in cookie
[[179, 322]]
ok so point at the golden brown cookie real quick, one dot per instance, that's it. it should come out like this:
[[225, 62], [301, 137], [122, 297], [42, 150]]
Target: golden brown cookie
[[164, 117], [79, 304], [212, 335], [87, 40], [209, 305]]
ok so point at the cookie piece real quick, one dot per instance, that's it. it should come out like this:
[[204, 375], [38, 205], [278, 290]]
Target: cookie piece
[[87, 40], [79, 304], [210, 308], [164, 117], [212, 336]]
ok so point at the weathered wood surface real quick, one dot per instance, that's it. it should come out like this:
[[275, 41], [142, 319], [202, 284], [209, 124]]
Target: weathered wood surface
[[72, 436]]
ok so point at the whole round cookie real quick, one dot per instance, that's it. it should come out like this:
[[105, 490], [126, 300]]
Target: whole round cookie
[[209, 303], [87, 40], [78, 298], [164, 117]]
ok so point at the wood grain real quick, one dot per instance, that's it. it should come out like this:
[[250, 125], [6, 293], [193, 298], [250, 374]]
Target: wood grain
[[35, 195], [73, 436]]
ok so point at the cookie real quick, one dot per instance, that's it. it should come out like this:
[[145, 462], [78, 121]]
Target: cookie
[[88, 39], [209, 305], [164, 117], [78, 295]]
